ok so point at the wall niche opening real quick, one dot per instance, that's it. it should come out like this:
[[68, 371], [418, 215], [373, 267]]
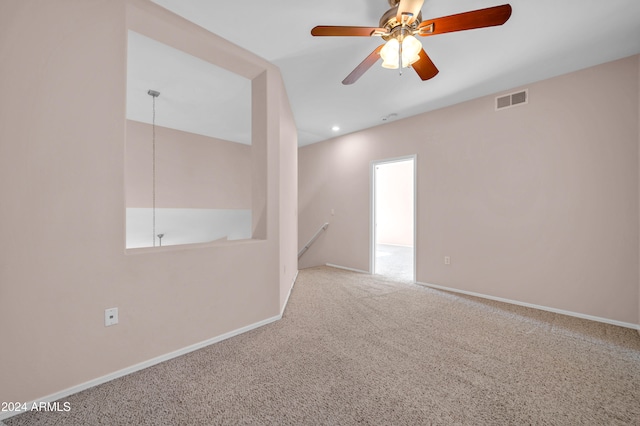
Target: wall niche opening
[[189, 158]]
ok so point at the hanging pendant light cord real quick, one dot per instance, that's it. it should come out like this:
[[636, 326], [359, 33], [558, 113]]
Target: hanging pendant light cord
[[154, 94], [154, 171]]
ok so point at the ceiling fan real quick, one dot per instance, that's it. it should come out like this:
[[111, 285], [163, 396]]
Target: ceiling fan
[[399, 26]]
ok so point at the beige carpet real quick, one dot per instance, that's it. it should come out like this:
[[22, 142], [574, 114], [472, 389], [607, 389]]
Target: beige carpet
[[357, 349]]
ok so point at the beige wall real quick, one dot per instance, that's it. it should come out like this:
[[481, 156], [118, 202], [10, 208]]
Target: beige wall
[[536, 203], [288, 205], [62, 167], [192, 171]]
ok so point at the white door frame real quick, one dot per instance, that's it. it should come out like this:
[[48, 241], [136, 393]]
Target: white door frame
[[372, 209]]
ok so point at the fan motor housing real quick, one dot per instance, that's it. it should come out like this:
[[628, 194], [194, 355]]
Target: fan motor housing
[[389, 21]]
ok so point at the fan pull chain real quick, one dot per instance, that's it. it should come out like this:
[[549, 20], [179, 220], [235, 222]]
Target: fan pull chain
[[401, 41], [400, 57]]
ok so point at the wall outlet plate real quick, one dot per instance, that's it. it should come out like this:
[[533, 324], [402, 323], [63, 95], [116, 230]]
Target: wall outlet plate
[[110, 316]]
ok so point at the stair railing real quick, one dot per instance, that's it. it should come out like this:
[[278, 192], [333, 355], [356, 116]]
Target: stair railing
[[312, 240]]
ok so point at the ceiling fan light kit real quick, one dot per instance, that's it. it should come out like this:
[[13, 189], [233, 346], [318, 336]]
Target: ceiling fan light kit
[[399, 26], [410, 48]]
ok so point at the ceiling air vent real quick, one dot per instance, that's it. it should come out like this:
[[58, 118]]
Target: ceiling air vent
[[512, 99]]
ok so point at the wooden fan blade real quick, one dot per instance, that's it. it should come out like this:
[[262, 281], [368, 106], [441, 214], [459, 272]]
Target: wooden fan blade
[[409, 6], [425, 67], [364, 66], [489, 17], [327, 30]]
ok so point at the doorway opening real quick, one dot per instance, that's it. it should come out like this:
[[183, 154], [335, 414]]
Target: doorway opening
[[393, 216]]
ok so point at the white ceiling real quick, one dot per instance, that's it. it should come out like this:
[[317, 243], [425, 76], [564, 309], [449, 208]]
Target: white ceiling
[[195, 95], [542, 39]]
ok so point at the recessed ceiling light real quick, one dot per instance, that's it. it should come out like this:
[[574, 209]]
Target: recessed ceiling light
[[335, 128]]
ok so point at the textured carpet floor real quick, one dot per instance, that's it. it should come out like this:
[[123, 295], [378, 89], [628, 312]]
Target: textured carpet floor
[[359, 349], [395, 262]]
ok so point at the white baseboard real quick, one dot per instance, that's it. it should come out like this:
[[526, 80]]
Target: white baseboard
[[531, 305], [286, 302], [331, 265], [141, 366]]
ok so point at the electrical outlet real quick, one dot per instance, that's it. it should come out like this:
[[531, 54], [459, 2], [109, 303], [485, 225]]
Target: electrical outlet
[[447, 260], [110, 316]]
